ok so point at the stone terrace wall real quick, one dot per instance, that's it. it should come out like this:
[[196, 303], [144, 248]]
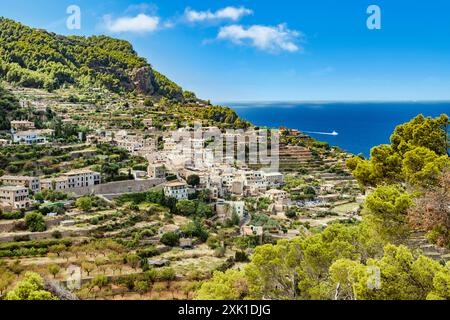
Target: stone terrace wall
[[46, 234], [9, 226], [118, 187]]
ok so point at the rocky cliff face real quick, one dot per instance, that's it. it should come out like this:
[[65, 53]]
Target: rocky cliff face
[[142, 79]]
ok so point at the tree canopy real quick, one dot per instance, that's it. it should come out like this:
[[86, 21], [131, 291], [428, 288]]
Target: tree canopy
[[386, 211], [9, 108], [331, 266], [418, 153], [31, 287], [398, 275]]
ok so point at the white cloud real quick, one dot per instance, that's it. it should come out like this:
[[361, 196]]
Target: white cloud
[[228, 13], [141, 23], [266, 38]]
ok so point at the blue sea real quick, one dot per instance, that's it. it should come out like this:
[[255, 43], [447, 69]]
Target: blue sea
[[359, 126]]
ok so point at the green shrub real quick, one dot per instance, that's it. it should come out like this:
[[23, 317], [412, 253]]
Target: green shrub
[[241, 256], [15, 215], [148, 252], [35, 222], [56, 234], [170, 239]]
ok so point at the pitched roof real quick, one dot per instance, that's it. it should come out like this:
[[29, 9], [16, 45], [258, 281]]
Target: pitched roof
[[175, 184]]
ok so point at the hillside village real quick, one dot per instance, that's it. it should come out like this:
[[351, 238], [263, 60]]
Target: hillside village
[[117, 184], [129, 150]]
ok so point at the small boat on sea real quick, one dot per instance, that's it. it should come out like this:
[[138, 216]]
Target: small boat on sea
[[334, 133]]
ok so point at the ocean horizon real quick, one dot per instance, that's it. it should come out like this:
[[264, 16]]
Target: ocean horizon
[[353, 126]]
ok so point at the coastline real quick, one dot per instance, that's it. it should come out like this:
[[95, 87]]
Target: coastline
[[360, 125]]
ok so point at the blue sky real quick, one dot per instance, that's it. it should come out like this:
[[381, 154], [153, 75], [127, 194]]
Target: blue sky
[[273, 50]]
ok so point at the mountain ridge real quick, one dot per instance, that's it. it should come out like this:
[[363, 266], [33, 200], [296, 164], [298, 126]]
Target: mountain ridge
[[37, 58]]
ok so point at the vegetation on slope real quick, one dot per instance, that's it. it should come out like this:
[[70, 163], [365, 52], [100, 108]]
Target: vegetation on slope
[[40, 59], [8, 106], [369, 260], [417, 155]]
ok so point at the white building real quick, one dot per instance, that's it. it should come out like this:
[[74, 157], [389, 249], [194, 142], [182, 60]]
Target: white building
[[57, 184], [228, 178], [32, 137], [177, 190], [197, 143], [32, 183], [273, 179], [82, 178], [156, 171], [15, 197], [238, 207], [131, 146]]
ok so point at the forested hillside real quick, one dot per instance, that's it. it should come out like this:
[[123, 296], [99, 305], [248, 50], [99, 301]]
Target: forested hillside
[[40, 59], [8, 106]]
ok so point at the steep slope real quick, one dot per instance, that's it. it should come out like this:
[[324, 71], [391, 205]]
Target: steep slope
[[39, 59], [8, 108]]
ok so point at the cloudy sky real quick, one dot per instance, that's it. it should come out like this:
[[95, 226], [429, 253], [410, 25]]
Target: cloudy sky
[[273, 50]]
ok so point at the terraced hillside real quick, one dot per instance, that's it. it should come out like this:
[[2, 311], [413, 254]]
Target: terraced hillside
[[293, 158], [418, 241]]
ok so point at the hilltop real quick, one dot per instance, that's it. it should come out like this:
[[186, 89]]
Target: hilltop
[[36, 58], [99, 70]]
